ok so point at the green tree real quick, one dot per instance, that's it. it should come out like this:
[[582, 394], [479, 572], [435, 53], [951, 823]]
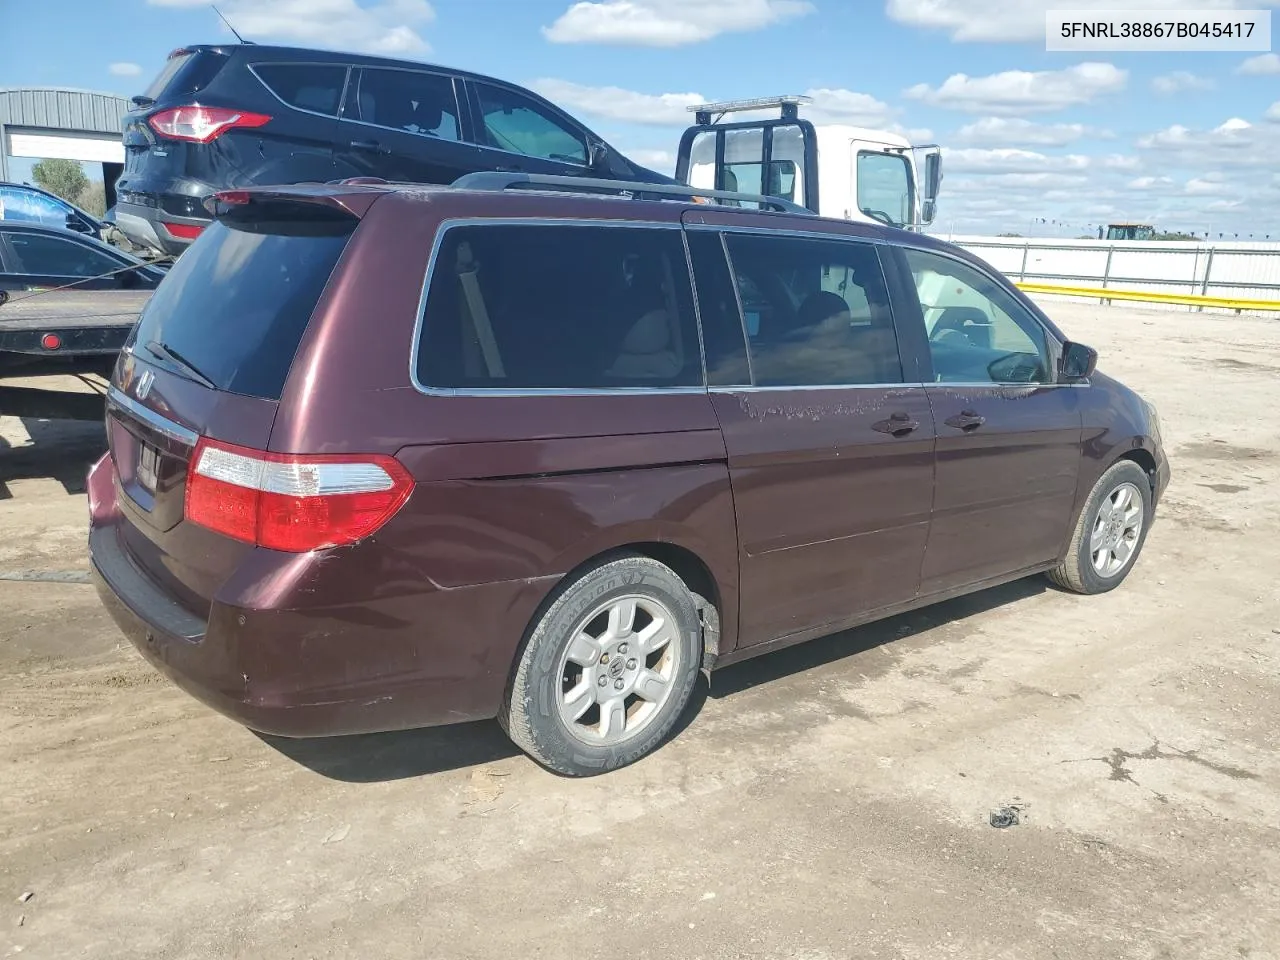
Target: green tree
[[93, 199], [62, 177]]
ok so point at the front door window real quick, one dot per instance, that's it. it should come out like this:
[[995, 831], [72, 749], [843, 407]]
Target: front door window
[[978, 333]]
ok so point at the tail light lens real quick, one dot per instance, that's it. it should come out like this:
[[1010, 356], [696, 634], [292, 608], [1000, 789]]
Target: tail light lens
[[202, 124], [183, 231], [292, 503]]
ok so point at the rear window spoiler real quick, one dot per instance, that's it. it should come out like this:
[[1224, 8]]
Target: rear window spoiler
[[247, 203]]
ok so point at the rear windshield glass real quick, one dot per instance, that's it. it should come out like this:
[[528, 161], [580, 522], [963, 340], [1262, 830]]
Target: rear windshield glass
[[235, 305], [186, 73]]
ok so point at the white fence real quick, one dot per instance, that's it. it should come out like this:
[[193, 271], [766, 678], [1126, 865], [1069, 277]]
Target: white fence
[[1235, 271]]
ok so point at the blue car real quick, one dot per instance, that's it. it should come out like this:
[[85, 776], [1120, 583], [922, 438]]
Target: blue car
[[23, 203]]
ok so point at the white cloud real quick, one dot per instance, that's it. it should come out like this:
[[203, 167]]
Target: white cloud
[[671, 109], [124, 69], [1273, 112], [667, 23], [1009, 160], [845, 106], [1018, 91], [1150, 183], [1235, 143], [390, 27], [1180, 81], [1208, 185], [614, 103], [1024, 133], [1024, 20], [663, 161], [1266, 64]]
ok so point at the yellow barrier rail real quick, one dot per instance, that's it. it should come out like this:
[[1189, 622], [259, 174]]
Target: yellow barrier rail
[[1151, 296]]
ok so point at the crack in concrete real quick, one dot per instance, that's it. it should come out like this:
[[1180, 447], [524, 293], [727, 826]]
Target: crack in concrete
[[1119, 757]]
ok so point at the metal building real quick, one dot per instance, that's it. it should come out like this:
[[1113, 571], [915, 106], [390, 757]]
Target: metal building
[[54, 122]]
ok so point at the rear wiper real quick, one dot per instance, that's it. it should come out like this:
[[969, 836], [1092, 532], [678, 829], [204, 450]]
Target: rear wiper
[[142, 101], [167, 352]]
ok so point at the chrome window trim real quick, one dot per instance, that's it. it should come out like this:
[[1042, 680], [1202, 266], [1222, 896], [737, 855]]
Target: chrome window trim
[[174, 431], [342, 93], [420, 322], [528, 156], [457, 103], [810, 387]]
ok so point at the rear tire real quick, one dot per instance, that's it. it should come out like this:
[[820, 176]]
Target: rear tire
[[1110, 532], [607, 670]]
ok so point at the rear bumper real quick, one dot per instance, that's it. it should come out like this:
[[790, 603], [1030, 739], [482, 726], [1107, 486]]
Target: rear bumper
[[287, 672], [147, 226], [163, 214]]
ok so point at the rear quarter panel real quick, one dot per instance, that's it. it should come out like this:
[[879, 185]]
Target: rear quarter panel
[[510, 489]]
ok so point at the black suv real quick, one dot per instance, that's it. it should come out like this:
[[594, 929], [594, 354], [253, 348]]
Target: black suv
[[239, 115]]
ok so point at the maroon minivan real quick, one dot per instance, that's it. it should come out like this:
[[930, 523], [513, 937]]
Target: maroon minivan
[[387, 456]]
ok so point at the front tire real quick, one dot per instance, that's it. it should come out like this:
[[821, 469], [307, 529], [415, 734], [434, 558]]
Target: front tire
[[608, 669], [1110, 533]]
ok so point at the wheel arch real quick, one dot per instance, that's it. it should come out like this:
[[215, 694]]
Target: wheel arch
[[719, 621]]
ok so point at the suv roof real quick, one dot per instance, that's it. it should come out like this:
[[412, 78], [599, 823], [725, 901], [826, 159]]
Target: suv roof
[[260, 51], [587, 198]]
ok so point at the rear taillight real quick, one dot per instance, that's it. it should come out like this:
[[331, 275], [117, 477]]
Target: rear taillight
[[292, 503], [202, 124], [183, 231]]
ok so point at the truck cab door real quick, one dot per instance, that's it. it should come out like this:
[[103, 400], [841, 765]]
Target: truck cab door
[[883, 187]]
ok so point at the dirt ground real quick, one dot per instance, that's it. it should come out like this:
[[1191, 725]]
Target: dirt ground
[[830, 801]]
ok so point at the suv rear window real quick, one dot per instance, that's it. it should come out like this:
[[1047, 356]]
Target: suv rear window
[[308, 86], [236, 303], [186, 72], [569, 307]]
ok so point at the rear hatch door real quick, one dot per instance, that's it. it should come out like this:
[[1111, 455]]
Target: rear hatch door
[[209, 358]]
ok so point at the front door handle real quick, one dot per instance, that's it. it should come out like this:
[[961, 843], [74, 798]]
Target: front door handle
[[898, 425], [371, 145], [966, 420]]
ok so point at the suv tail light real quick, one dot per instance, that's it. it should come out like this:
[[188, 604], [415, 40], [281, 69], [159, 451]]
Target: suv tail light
[[292, 503], [202, 124]]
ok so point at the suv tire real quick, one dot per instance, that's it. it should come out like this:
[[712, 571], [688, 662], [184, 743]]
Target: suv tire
[[607, 670]]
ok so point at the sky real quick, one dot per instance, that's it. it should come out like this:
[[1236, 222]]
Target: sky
[[1035, 142]]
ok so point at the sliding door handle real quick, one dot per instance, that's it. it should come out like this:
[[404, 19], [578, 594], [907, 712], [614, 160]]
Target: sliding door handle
[[898, 425], [966, 420]]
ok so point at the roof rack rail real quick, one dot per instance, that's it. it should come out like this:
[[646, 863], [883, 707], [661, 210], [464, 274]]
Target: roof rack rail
[[493, 180]]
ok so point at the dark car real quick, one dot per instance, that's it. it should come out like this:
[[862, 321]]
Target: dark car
[[34, 257], [392, 457], [23, 203], [237, 115]]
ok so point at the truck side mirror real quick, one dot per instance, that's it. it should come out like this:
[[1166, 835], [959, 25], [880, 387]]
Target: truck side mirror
[[932, 175]]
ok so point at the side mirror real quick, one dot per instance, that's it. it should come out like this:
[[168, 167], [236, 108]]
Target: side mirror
[[74, 223], [597, 155], [928, 210], [933, 175], [1078, 362]]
